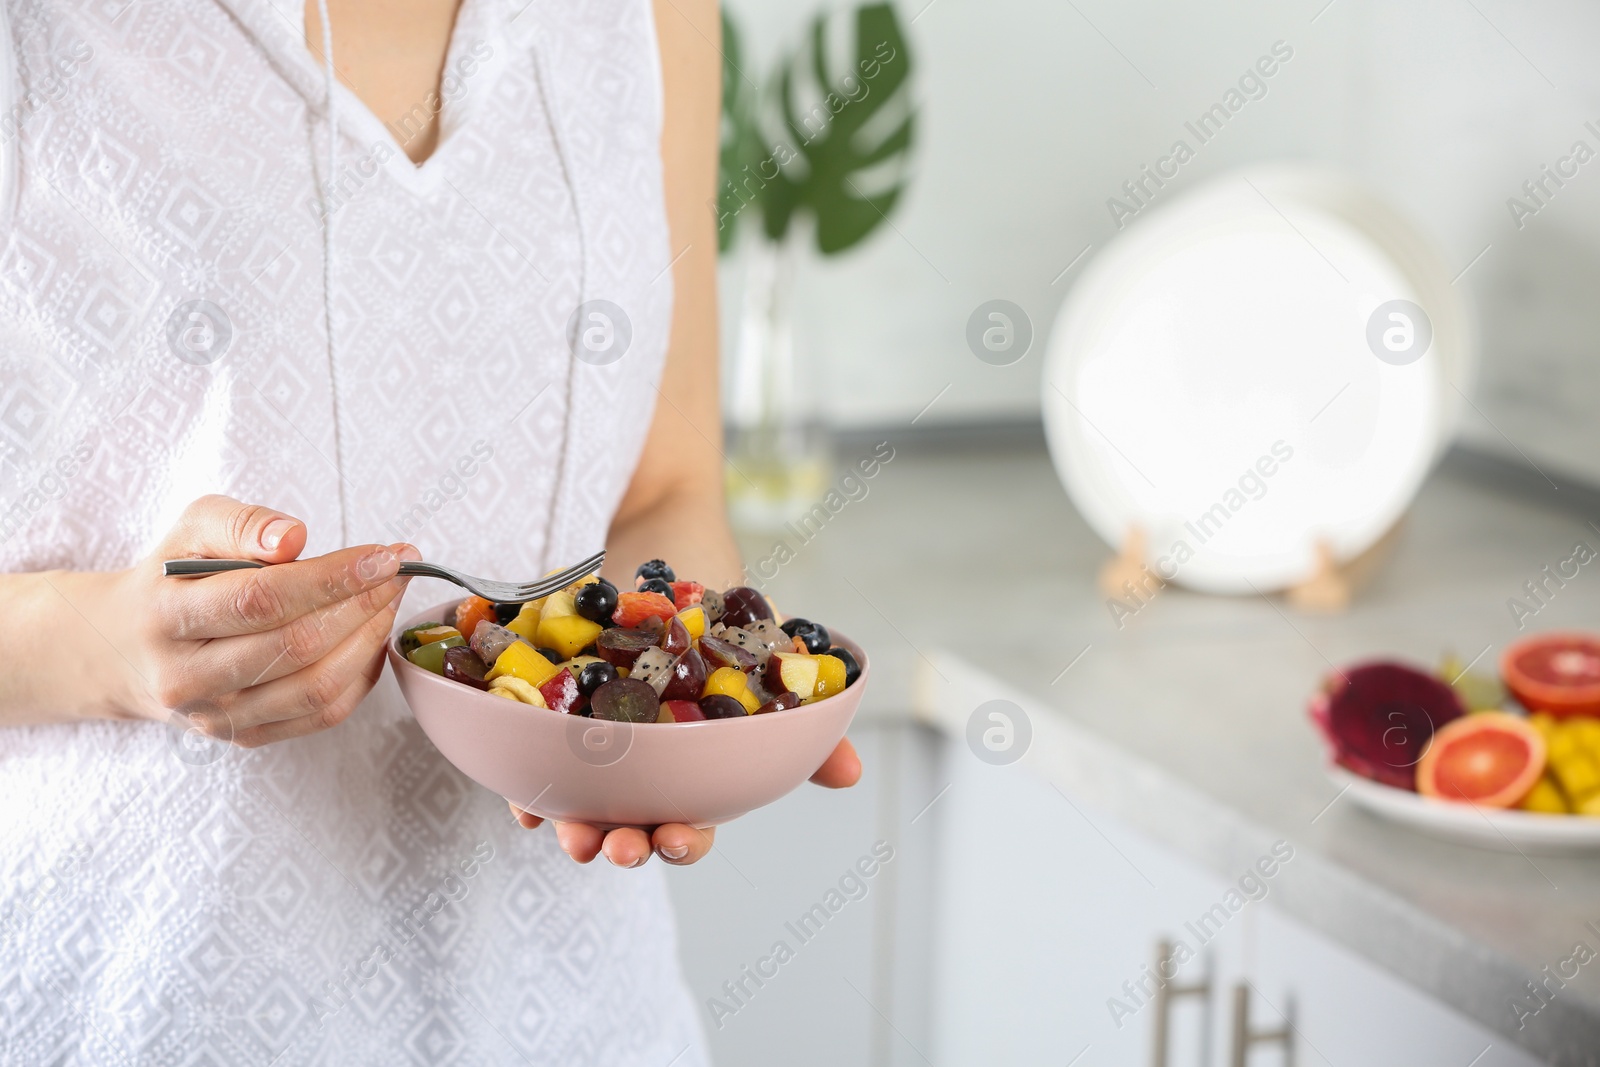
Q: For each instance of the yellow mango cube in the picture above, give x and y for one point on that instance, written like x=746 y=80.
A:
x=730 y=681
x=435 y=633
x=1586 y=733
x=1578 y=775
x=693 y=618
x=567 y=634
x=558 y=604
x=830 y=676
x=526 y=624
x=1545 y=797
x=521 y=661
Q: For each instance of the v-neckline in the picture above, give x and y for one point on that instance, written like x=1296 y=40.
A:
x=279 y=27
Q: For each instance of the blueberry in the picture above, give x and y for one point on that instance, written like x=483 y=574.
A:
x=593 y=676
x=504 y=613
x=655 y=568
x=815 y=635
x=657 y=585
x=852 y=669
x=596 y=602
x=607 y=582
x=550 y=654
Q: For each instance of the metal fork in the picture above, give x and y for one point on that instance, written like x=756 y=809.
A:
x=499 y=592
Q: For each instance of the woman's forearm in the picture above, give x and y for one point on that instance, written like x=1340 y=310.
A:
x=689 y=529
x=61 y=664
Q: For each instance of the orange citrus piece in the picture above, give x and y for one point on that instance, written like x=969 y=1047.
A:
x=1490 y=759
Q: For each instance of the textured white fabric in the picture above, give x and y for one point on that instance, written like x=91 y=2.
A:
x=167 y=905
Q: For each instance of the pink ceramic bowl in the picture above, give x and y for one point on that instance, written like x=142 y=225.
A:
x=576 y=769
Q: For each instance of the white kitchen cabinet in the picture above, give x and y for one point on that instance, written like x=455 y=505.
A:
x=1011 y=915
x=857 y=990
x=1046 y=907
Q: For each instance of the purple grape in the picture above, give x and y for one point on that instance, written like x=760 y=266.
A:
x=721 y=706
x=461 y=664
x=675 y=640
x=621 y=647
x=687 y=679
x=625 y=700
x=781 y=702
x=742 y=605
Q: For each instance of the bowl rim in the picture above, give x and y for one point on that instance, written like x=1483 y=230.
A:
x=399 y=662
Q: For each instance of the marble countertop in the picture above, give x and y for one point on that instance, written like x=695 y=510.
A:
x=1188 y=721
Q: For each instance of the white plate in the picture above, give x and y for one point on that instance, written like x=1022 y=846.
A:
x=1210 y=379
x=1502 y=831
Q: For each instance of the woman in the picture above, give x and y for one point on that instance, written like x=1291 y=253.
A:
x=277 y=281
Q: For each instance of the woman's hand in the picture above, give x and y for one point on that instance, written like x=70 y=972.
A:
x=250 y=656
x=674 y=842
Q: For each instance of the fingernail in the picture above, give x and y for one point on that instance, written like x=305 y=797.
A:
x=409 y=553
x=379 y=563
x=675 y=853
x=273 y=533
x=640 y=862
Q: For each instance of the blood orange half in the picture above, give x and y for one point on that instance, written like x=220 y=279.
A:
x=1555 y=672
x=1490 y=759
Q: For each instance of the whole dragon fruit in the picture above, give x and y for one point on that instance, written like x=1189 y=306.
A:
x=1379 y=717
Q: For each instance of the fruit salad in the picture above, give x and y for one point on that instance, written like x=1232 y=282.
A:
x=1529 y=740
x=666 y=651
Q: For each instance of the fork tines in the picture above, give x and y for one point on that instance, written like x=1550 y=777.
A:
x=561 y=579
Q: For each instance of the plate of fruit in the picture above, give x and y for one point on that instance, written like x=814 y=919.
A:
x=1507 y=763
x=668 y=702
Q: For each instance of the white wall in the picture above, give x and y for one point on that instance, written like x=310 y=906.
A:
x=1031 y=119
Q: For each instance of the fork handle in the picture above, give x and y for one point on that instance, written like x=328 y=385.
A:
x=188 y=568
x=184 y=568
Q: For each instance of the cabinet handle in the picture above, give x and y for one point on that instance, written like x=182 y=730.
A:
x=1244 y=1039
x=1165 y=994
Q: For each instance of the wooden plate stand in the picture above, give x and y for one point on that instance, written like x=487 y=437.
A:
x=1330 y=588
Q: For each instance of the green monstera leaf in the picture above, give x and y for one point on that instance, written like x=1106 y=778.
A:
x=741 y=150
x=832 y=139
x=844 y=142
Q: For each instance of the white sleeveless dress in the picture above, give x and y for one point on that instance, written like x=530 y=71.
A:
x=347 y=898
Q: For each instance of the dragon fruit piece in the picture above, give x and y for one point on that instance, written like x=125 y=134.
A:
x=489 y=639
x=1379 y=717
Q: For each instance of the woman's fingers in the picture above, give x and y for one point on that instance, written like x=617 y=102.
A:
x=524 y=819
x=219 y=527
x=234 y=663
x=627 y=847
x=842 y=768
x=316 y=693
x=579 y=840
x=335 y=713
x=267 y=599
x=682 y=845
